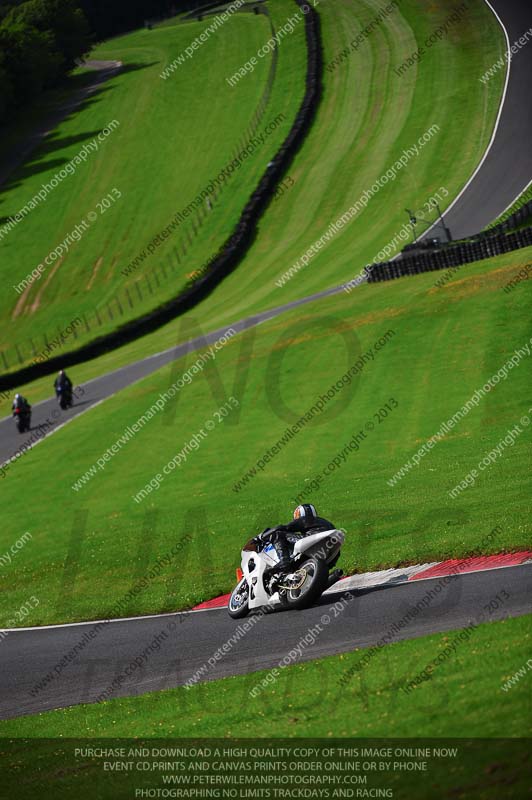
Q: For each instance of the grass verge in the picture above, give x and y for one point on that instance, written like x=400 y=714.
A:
x=464 y=699
x=439 y=345
x=368 y=117
x=164 y=151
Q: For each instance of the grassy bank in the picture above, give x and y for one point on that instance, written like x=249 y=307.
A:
x=432 y=349
x=368 y=118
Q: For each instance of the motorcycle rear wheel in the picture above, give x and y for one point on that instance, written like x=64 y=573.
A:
x=23 y=425
x=238 y=605
x=312 y=587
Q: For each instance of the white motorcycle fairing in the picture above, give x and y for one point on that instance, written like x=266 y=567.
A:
x=308 y=544
x=325 y=545
x=254 y=565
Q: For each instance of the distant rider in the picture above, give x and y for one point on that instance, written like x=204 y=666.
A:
x=305 y=521
x=63 y=383
x=21 y=403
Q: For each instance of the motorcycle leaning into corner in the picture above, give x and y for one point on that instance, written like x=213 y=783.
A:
x=260 y=584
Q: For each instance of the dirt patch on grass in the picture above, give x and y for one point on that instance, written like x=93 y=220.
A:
x=489 y=281
x=37 y=302
x=19 y=308
x=95 y=270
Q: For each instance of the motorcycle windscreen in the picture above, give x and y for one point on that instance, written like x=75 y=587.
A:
x=270 y=554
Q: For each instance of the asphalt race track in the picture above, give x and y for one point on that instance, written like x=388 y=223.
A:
x=192 y=638
x=507 y=170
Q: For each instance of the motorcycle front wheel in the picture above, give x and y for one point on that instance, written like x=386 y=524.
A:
x=308 y=583
x=238 y=605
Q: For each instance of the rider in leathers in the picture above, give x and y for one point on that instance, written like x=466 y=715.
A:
x=63 y=383
x=305 y=521
x=22 y=403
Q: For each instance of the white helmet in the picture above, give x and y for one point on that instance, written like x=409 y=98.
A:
x=305 y=511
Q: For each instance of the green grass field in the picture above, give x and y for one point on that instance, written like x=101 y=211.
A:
x=367 y=118
x=443 y=348
x=165 y=151
x=463 y=699
x=524 y=198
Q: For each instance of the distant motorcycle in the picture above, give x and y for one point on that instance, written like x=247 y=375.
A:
x=64 y=397
x=22 y=419
x=259 y=584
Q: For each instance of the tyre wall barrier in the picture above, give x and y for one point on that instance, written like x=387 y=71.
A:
x=451 y=255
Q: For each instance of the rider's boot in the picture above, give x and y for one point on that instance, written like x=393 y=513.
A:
x=283 y=551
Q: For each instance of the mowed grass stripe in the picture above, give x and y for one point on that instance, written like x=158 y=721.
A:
x=175 y=136
x=442 y=350
x=332 y=170
x=328 y=175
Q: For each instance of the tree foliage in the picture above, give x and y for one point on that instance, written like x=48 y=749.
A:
x=40 y=41
x=109 y=17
